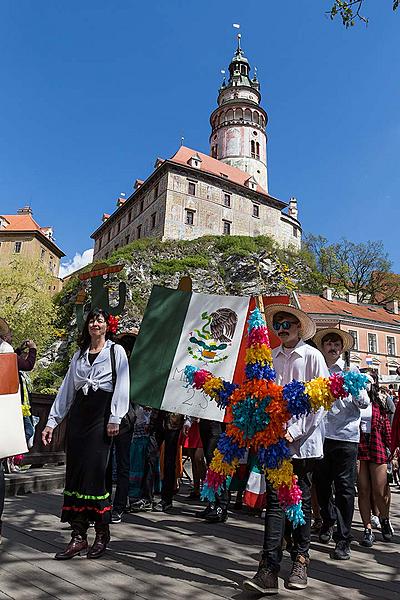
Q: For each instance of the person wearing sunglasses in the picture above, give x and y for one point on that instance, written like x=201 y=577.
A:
x=293 y=359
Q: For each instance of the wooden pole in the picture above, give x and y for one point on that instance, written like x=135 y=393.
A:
x=260 y=305
x=185 y=284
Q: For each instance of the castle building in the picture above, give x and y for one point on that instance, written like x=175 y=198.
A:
x=22 y=236
x=225 y=193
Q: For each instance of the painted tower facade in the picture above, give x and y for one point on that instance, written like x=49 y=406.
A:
x=238 y=135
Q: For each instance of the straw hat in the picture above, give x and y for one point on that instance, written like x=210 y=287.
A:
x=308 y=326
x=4 y=328
x=347 y=339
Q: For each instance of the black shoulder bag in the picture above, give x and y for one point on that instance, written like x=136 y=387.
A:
x=128 y=421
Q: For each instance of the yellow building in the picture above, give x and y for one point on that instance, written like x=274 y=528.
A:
x=20 y=235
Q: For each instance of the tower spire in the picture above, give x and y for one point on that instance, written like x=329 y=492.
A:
x=238 y=123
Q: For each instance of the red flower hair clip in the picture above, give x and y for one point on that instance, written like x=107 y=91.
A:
x=112 y=324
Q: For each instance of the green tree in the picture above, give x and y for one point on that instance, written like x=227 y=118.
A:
x=351 y=11
x=26 y=303
x=346 y=266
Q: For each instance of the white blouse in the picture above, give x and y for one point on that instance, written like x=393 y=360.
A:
x=302 y=363
x=82 y=375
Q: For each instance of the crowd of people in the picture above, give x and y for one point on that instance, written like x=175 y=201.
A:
x=350 y=450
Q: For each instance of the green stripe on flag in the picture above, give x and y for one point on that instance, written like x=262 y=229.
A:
x=155 y=348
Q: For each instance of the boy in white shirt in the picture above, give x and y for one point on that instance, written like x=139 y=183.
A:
x=293 y=359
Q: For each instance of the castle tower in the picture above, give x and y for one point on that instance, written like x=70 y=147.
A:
x=238 y=135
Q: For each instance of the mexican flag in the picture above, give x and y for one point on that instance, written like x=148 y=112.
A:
x=184 y=328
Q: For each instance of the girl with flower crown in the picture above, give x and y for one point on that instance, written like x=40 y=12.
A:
x=95 y=395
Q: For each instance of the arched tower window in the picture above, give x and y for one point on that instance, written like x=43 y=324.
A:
x=253 y=149
x=229 y=115
x=257 y=150
x=247 y=114
x=238 y=114
x=256 y=117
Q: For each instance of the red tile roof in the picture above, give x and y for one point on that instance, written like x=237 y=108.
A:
x=21 y=223
x=312 y=304
x=214 y=166
x=26 y=222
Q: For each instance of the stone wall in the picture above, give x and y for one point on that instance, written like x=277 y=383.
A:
x=210 y=212
x=143 y=217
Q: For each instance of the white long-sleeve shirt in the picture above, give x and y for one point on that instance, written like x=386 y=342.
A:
x=82 y=375
x=342 y=422
x=302 y=363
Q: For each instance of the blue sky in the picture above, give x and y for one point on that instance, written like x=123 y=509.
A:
x=94 y=91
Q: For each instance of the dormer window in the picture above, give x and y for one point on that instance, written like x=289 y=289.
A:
x=251 y=183
x=195 y=161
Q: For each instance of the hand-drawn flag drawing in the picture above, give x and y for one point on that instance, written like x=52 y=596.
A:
x=181 y=328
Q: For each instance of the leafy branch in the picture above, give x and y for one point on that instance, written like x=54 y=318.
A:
x=351 y=11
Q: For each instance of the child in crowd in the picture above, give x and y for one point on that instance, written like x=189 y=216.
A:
x=144 y=475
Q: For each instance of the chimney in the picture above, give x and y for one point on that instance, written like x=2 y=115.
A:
x=327 y=293
x=352 y=298
x=25 y=210
x=392 y=306
x=105 y=217
x=293 y=210
x=138 y=183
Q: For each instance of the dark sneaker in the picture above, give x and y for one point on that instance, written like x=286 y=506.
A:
x=202 y=514
x=298 y=577
x=368 y=538
x=140 y=506
x=386 y=529
x=218 y=515
x=325 y=533
x=265 y=581
x=316 y=526
x=116 y=516
x=162 y=506
x=342 y=550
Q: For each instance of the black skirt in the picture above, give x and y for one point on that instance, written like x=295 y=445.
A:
x=88 y=453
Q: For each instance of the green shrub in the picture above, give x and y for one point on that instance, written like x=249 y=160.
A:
x=180 y=265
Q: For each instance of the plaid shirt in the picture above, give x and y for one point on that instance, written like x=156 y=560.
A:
x=372 y=447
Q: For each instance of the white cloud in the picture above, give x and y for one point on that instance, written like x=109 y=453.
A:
x=79 y=261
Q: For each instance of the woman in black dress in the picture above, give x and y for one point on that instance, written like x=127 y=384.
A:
x=95 y=395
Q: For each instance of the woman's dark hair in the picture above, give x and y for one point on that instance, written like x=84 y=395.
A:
x=84 y=338
x=374 y=392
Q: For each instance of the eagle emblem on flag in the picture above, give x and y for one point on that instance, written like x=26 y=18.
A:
x=209 y=342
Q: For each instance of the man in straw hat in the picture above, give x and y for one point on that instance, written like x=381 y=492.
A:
x=342 y=434
x=293 y=359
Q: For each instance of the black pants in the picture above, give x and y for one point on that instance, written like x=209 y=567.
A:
x=80 y=525
x=338 y=467
x=209 y=434
x=170 y=437
x=122 y=444
x=2 y=490
x=150 y=469
x=275 y=518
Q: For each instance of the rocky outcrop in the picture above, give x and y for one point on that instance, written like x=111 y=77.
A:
x=224 y=266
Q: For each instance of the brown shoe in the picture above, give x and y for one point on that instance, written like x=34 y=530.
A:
x=100 y=544
x=298 y=577
x=265 y=581
x=77 y=545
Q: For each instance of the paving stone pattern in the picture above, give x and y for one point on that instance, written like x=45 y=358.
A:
x=157 y=556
